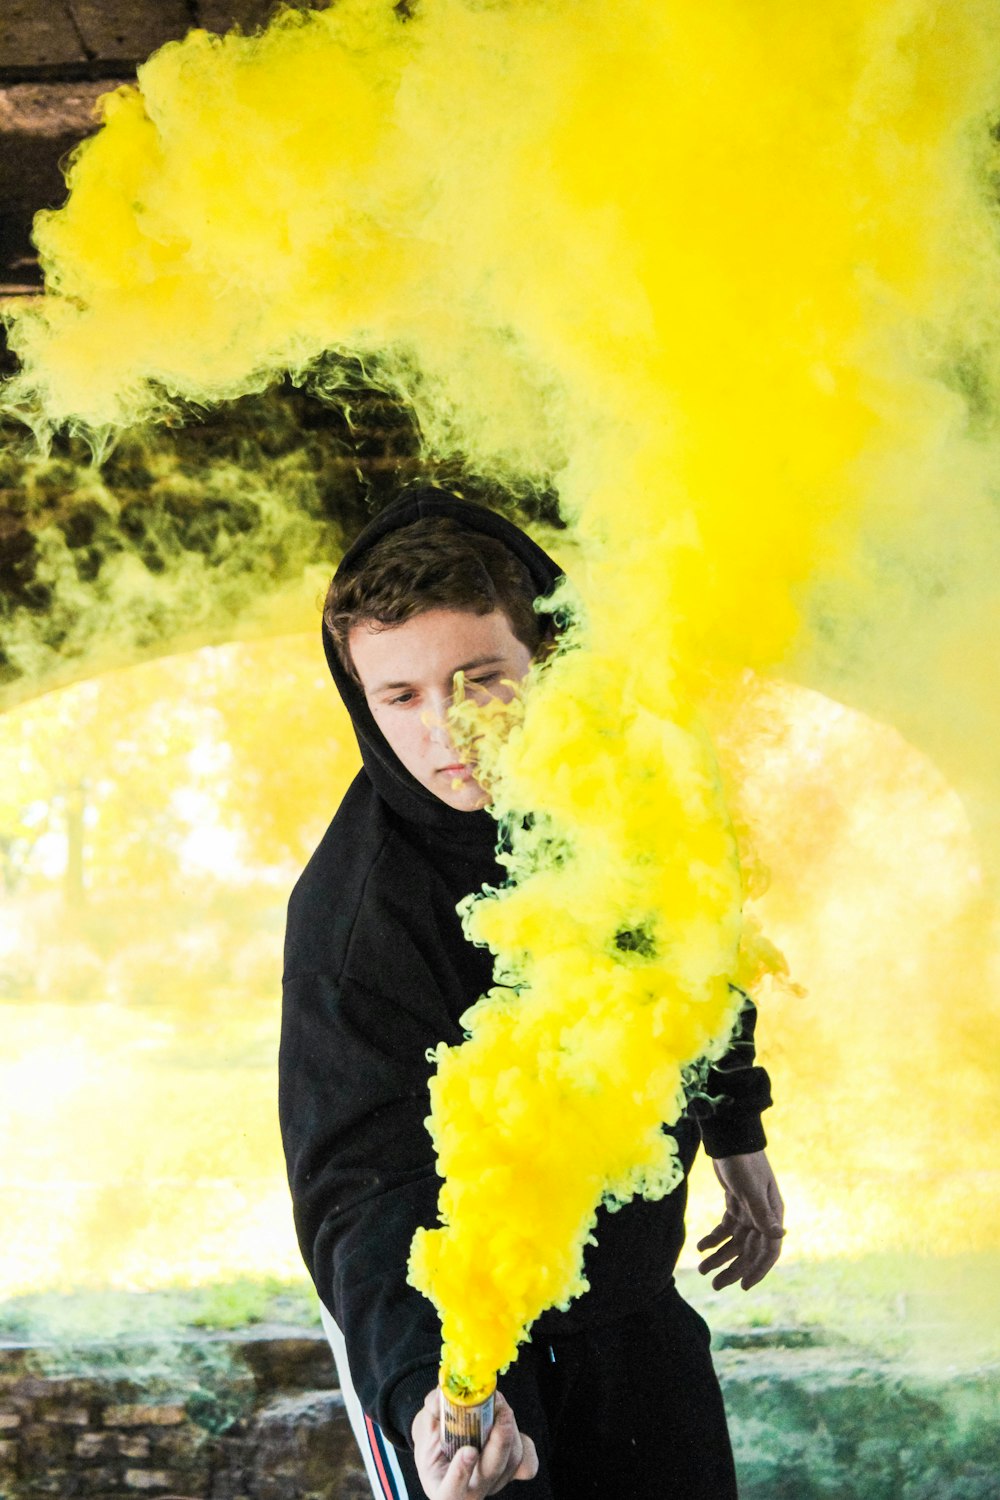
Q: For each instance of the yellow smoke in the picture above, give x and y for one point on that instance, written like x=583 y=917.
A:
x=161 y=992
x=727 y=276
x=138 y=1014
x=617 y=940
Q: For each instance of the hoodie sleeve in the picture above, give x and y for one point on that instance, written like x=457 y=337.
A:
x=734 y=1094
x=353 y=1096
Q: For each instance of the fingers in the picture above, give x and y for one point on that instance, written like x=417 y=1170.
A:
x=730 y=1256
x=502 y=1451
x=740 y=1257
x=747 y=1257
x=508 y=1454
x=767 y=1217
x=767 y=1252
x=432 y=1466
x=714 y=1237
x=733 y=1245
x=727 y=1226
x=528 y=1467
x=441 y=1479
x=746 y=1243
x=727 y=1278
x=458 y=1481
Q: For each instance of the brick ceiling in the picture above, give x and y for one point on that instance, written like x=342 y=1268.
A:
x=67 y=39
x=56 y=57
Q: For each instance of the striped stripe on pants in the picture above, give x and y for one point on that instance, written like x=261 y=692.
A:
x=381 y=1464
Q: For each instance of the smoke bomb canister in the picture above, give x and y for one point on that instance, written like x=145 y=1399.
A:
x=465 y=1424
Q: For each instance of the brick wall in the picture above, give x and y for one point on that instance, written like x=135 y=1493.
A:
x=254 y=1416
x=257 y=1416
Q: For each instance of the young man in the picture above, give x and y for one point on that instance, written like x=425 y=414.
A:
x=616 y=1396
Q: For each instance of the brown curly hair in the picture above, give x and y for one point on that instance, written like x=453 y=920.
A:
x=434 y=563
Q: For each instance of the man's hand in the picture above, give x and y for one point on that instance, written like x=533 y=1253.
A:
x=508 y=1454
x=750 y=1231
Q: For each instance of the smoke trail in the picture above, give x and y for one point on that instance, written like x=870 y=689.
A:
x=726 y=277
x=616 y=943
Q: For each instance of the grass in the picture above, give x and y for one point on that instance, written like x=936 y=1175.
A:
x=943 y=1311
x=940 y=1311
x=86 y=1315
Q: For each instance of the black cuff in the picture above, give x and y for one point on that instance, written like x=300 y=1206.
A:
x=408 y=1396
x=732 y=1135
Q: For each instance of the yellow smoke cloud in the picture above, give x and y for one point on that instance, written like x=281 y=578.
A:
x=884 y=1073
x=618 y=939
x=728 y=278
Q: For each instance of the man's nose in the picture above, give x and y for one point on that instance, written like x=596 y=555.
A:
x=436 y=720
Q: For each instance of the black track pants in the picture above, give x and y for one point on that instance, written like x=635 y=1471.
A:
x=630 y=1410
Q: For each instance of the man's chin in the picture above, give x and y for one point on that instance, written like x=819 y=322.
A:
x=464 y=795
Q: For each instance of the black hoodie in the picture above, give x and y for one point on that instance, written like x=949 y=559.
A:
x=377 y=972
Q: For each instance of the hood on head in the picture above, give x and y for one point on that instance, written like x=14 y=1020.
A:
x=389 y=777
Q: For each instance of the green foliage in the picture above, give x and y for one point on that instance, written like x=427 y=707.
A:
x=877 y=1450
x=824 y=1421
x=933 y=1311
x=80 y=1317
x=239 y=1304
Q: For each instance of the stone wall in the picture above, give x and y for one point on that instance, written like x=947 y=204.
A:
x=256 y=1415
x=253 y=1416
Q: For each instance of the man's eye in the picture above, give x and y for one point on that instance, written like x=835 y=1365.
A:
x=482 y=681
x=403 y=698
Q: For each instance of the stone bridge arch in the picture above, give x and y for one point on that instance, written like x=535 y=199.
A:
x=224 y=528
x=227 y=527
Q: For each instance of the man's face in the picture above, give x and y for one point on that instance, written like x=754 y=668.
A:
x=408 y=676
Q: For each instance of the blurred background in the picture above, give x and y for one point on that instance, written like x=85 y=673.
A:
x=171 y=750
